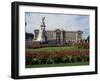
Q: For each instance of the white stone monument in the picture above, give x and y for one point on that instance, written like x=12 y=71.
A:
x=42 y=33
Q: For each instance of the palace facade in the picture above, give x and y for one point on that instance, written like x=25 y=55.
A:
x=60 y=36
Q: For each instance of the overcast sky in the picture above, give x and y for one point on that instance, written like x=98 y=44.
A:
x=68 y=22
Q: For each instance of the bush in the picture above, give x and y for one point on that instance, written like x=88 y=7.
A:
x=59 y=60
x=28 y=60
x=74 y=59
x=86 y=57
x=50 y=60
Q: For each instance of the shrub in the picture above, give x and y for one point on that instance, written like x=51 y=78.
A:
x=50 y=60
x=58 y=60
x=28 y=60
x=74 y=58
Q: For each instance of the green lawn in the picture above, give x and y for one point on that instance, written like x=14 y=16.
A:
x=56 y=65
x=61 y=48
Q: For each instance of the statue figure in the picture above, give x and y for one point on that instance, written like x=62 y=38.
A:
x=43 y=23
x=43 y=19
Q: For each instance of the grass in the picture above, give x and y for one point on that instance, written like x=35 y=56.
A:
x=56 y=65
x=61 y=48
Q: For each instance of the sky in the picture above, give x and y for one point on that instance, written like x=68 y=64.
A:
x=68 y=22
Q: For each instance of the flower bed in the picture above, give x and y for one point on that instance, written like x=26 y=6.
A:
x=53 y=57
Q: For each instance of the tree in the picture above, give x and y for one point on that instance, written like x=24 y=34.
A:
x=88 y=38
x=29 y=36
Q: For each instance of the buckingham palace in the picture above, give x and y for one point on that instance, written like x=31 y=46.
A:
x=60 y=36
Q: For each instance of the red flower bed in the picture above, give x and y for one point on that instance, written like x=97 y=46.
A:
x=53 y=54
